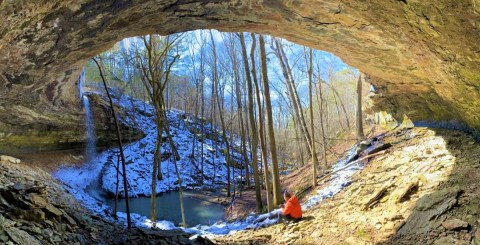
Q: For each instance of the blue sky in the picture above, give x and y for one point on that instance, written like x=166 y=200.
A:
x=295 y=53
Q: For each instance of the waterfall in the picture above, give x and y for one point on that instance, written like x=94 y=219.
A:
x=81 y=80
x=91 y=138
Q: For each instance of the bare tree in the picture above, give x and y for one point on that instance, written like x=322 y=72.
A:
x=252 y=128
x=261 y=128
x=292 y=91
x=359 y=124
x=119 y=140
x=156 y=66
x=277 y=196
x=309 y=61
x=239 y=107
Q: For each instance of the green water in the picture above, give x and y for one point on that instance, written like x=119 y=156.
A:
x=168 y=208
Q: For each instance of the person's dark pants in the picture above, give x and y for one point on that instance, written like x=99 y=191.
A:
x=289 y=218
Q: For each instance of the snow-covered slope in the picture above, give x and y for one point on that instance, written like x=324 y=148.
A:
x=139 y=155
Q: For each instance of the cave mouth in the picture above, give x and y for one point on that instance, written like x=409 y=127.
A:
x=208 y=68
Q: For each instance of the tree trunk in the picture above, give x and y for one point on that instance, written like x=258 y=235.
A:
x=312 y=128
x=238 y=96
x=293 y=94
x=252 y=128
x=360 y=134
x=119 y=141
x=261 y=129
x=175 y=159
x=322 y=128
x=277 y=196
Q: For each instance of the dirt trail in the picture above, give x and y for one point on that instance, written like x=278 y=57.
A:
x=424 y=190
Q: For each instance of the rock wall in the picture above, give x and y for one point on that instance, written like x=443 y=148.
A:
x=423 y=56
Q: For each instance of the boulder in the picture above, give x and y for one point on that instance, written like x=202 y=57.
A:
x=429 y=206
x=21 y=237
x=455 y=224
x=9 y=159
x=39 y=201
x=449 y=240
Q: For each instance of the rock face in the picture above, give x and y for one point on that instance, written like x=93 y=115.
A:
x=34 y=209
x=422 y=56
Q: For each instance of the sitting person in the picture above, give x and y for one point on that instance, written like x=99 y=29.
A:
x=292 y=211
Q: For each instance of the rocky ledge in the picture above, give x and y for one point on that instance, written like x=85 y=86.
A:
x=35 y=209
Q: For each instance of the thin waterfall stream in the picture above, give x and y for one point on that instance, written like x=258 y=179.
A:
x=90 y=127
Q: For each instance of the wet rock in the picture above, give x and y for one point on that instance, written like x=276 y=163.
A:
x=455 y=224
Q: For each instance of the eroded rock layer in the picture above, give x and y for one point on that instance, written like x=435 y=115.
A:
x=423 y=56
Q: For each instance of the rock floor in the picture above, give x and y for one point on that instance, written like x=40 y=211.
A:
x=423 y=190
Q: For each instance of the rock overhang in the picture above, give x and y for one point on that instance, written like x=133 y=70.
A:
x=422 y=56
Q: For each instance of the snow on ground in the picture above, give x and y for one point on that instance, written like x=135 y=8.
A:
x=338 y=181
x=83 y=181
x=139 y=155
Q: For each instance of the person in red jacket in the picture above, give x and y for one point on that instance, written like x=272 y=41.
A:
x=292 y=210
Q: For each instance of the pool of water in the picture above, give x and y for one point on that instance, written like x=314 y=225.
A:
x=197 y=211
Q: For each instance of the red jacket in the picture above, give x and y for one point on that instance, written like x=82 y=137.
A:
x=293 y=208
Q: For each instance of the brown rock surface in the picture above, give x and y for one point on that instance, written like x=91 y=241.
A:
x=423 y=56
